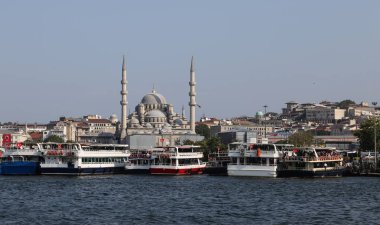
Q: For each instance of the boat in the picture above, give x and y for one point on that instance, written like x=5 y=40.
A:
x=254 y=159
x=311 y=162
x=140 y=160
x=178 y=160
x=78 y=159
x=217 y=163
x=17 y=159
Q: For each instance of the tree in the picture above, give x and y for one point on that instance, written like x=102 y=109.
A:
x=54 y=138
x=366 y=134
x=302 y=138
x=346 y=103
x=210 y=145
x=188 y=142
x=203 y=129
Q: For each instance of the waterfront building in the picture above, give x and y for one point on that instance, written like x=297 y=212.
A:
x=86 y=129
x=258 y=129
x=324 y=114
x=242 y=135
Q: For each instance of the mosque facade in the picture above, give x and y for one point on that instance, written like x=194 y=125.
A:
x=154 y=121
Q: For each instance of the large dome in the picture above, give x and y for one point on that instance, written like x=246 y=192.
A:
x=153 y=98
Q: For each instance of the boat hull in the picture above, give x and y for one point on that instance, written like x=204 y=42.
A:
x=310 y=173
x=137 y=169
x=81 y=171
x=176 y=171
x=252 y=171
x=216 y=170
x=20 y=168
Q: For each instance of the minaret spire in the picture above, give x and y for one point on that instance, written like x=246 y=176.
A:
x=154 y=89
x=192 y=95
x=123 y=101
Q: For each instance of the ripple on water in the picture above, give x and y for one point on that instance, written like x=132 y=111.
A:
x=125 y=199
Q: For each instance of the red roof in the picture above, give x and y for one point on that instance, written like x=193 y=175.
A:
x=36 y=136
x=98 y=121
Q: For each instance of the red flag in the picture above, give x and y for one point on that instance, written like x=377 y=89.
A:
x=7 y=139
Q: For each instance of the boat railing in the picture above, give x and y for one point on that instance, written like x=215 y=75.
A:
x=185 y=154
x=21 y=151
x=312 y=158
x=253 y=164
x=140 y=156
x=332 y=157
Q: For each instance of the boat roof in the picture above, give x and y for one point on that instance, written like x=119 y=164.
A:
x=181 y=146
x=105 y=145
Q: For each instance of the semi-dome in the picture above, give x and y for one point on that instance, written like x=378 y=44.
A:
x=153 y=98
x=178 y=122
x=134 y=121
x=156 y=113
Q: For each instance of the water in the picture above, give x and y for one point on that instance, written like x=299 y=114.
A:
x=127 y=199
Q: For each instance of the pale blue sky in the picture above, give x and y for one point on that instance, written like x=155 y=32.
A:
x=64 y=57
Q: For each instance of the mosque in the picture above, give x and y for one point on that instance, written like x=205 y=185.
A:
x=154 y=122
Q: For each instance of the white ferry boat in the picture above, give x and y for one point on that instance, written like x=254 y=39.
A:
x=311 y=162
x=255 y=160
x=178 y=160
x=77 y=159
x=139 y=161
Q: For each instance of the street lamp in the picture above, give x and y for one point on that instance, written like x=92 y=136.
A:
x=265 y=124
x=374 y=127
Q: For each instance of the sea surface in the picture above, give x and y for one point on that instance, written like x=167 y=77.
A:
x=202 y=199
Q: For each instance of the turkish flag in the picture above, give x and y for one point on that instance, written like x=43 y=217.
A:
x=7 y=139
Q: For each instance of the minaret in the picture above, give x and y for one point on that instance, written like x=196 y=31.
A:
x=192 y=94
x=123 y=101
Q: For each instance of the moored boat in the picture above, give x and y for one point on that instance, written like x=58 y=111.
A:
x=17 y=159
x=253 y=159
x=217 y=163
x=77 y=159
x=178 y=160
x=139 y=161
x=311 y=162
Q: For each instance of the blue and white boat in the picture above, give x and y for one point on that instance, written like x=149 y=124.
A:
x=77 y=159
x=17 y=160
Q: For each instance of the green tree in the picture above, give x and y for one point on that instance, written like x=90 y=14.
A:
x=282 y=142
x=188 y=142
x=210 y=145
x=346 y=103
x=366 y=134
x=54 y=138
x=301 y=138
x=203 y=130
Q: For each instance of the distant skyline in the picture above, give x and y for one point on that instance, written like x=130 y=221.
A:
x=63 y=58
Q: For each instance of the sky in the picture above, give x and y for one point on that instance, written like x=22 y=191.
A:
x=63 y=58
